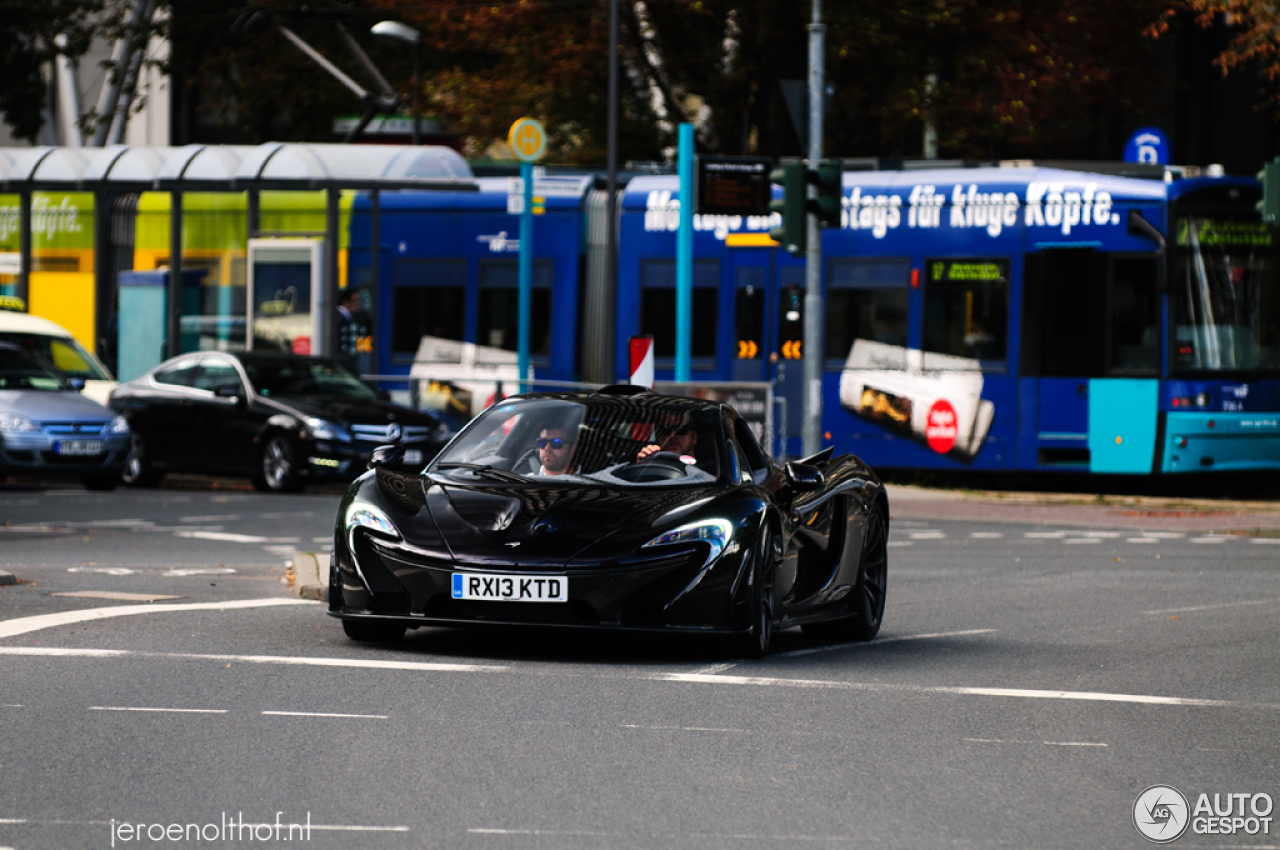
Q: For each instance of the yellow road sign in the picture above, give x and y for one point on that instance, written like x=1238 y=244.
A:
x=528 y=139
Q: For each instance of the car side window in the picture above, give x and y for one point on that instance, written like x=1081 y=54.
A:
x=215 y=374
x=756 y=460
x=742 y=470
x=180 y=374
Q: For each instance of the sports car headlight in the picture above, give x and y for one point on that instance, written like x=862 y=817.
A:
x=716 y=532
x=16 y=422
x=323 y=429
x=365 y=515
x=119 y=425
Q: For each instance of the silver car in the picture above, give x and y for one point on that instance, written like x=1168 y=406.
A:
x=48 y=429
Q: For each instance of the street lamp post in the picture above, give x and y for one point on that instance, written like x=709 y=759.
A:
x=396 y=31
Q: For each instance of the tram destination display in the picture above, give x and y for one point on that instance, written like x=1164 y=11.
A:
x=732 y=185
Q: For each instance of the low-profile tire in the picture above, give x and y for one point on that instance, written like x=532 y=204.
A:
x=372 y=631
x=756 y=643
x=278 y=466
x=866 y=600
x=139 y=471
x=103 y=481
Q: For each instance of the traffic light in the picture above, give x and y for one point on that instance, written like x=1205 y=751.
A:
x=1269 y=177
x=827 y=177
x=794 y=229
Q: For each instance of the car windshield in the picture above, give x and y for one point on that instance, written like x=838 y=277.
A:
x=1226 y=291
x=64 y=352
x=300 y=376
x=21 y=371
x=598 y=440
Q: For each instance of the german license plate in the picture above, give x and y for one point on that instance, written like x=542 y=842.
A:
x=413 y=457
x=78 y=448
x=503 y=588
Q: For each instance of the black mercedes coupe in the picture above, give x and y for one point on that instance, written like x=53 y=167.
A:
x=615 y=509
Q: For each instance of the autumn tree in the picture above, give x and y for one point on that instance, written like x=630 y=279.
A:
x=1254 y=41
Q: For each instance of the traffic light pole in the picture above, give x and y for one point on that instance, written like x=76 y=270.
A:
x=813 y=301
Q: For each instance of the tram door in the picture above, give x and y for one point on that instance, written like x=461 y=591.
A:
x=768 y=333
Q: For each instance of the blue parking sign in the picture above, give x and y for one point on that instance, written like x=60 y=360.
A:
x=1148 y=146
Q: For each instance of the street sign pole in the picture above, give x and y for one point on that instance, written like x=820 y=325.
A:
x=811 y=434
x=528 y=141
x=684 y=258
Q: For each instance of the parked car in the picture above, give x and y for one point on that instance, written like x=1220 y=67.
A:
x=47 y=428
x=282 y=419
x=55 y=344
x=619 y=509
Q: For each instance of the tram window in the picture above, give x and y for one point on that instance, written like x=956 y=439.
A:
x=658 y=307
x=1063 y=315
x=866 y=300
x=429 y=299
x=748 y=312
x=498 y=319
x=966 y=304
x=1135 y=329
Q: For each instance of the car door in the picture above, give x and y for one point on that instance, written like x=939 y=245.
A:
x=155 y=410
x=218 y=418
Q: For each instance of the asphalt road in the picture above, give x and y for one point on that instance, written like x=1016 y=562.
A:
x=1030 y=681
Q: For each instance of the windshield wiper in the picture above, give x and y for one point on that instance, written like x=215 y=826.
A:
x=487 y=471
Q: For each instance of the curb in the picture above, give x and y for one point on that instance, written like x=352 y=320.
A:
x=310 y=576
x=7 y=578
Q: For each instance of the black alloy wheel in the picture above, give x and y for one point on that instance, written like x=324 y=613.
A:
x=866 y=600
x=756 y=643
x=138 y=469
x=278 y=466
x=372 y=631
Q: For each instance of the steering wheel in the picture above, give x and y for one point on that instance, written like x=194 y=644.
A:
x=659 y=466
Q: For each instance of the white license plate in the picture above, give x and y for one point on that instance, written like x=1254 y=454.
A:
x=413 y=457
x=79 y=447
x=501 y=588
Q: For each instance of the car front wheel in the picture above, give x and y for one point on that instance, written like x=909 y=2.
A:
x=279 y=466
x=756 y=643
x=139 y=471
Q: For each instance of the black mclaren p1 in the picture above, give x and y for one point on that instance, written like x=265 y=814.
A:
x=614 y=509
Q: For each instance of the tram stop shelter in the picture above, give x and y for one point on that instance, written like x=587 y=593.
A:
x=73 y=219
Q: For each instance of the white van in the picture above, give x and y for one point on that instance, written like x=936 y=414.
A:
x=56 y=344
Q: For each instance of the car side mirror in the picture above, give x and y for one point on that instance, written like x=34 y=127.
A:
x=76 y=384
x=386 y=457
x=804 y=478
x=231 y=391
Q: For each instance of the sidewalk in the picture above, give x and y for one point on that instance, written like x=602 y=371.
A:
x=1256 y=518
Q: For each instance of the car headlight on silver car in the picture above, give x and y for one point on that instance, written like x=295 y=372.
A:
x=119 y=425
x=323 y=429
x=716 y=532
x=15 y=422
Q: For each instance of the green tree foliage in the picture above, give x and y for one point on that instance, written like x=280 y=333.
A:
x=27 y=34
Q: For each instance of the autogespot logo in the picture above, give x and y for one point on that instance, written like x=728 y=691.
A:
x=1160 y=813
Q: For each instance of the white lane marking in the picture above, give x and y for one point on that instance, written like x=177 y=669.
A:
x=326 y=714
x=110 y=571
x=228 y=537
x=1141 y=540
x=1208 y=540
x=676 y=728
x=1045 y=535
x=1212 y=607
x=23 y=625
x=200 y=571
x=986 y=535
x=928 y=535
x=893 y=543
x=892 y=639
x=214 y=518
x=325 y=539
x=691 y=678
x=1166 y=535
x=169 y=710
x=1049 y=743
x=1104 y=535
x=1082 y=540
x=65 y=653
x=717 y=668
x=492 y=831
x=1265 y=540
x=12 y=705
x=115 y=594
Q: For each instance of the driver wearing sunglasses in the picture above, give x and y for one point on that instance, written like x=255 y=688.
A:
x=555 y=450
x=675 y=434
